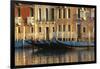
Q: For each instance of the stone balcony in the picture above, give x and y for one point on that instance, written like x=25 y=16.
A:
x=30 y=20
x=18 y=20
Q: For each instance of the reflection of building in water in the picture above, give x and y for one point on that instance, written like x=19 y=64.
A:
x=25 y=57
x=45 y=22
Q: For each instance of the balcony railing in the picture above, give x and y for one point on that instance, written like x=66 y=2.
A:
x=18 y=20
x=30 y=20
x=45 y=21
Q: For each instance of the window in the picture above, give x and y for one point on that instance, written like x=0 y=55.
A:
x=68 y=27
x=40 y=14
x=93 y=30
x=64 y=27
x=69 y=39
x=32 y=30
x=18 y=11
x=53 y=29
x=59 y=28
x=92 y=13
x=78 y=12
x=64 y=39
x=84 y=29
x=31 y=11
x=59 y=13
x=64 y=13
x=72 y=39
x=19 y=31
x=52 y=13
x=39 y=29
x=46 y=14
x=68 y=12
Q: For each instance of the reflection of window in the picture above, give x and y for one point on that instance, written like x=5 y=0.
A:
x=84 y=29
x=18 y=11
x=31 y=11
x=19 y=31
x=46 y=14
x=39 y=29
x=68 y=27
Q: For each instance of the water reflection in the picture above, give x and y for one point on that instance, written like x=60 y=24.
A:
x=32 y=57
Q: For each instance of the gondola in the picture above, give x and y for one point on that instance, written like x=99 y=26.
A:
x=76 y=44
x=47 y=44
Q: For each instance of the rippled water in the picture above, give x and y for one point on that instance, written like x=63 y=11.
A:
x=32 y=57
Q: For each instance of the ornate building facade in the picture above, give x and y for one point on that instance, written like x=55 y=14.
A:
x=46 y=22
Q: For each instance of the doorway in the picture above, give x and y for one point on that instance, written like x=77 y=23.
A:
x=47 y=33
x=79 y=31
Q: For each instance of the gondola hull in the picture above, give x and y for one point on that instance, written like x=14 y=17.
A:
x=54 y=44
x=60 y=44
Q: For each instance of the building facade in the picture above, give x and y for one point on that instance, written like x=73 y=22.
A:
x=46 y=22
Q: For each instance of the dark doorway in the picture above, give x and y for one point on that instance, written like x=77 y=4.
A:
x=79 y=31
x=47 y=33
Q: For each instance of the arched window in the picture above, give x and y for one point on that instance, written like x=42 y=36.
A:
x=31 y=11
x=18 y=11
x=84 y=29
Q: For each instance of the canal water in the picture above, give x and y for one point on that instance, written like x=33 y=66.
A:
x=35 y=56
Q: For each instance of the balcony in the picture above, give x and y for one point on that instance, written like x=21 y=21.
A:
x=18 y=20
x=30 y=20
x=45 y=22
